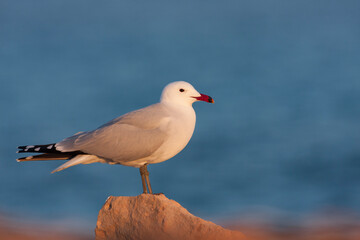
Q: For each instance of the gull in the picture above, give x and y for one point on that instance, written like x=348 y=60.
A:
x=146 y=136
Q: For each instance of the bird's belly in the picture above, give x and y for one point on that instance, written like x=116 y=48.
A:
x=170 y=148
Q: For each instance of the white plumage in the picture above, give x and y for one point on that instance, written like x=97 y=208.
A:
x=149 y=135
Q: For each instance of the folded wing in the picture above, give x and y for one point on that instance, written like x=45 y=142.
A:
x=130 y=137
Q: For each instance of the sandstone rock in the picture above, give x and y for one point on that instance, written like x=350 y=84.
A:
x=148 y=217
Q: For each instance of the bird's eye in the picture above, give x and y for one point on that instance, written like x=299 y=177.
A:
x=181 y=90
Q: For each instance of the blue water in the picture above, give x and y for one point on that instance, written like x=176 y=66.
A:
x=283 y=134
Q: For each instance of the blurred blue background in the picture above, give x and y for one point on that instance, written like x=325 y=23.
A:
x=282 y=136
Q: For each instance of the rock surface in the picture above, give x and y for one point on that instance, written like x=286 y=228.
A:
x=148 y=217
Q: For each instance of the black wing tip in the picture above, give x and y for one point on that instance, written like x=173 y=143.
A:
x=47 y=148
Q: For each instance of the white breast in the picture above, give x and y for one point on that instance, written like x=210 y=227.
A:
x=180 y=128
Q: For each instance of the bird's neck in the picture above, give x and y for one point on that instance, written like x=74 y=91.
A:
x=178 y=106
x=176 y=102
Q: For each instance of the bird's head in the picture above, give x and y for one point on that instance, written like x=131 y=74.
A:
x=183 y=93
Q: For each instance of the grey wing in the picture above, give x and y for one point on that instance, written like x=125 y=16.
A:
x=145 y=118
x=133 y=136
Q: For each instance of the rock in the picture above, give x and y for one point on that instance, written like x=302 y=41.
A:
x=148 y=217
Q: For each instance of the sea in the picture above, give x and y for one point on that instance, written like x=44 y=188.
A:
x=281 y=139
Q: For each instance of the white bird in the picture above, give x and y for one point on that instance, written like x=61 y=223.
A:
x=149 y=135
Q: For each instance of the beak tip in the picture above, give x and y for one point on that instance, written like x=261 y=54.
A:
x=204 y=98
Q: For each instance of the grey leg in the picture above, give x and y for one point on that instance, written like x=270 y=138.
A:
x=148 y=180
x=142 y=174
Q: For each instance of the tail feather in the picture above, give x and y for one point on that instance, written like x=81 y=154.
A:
x=46 y=156
x=49 y=152
x=79 y=159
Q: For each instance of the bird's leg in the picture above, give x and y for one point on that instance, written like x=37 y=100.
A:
x=147 y=179
x=142 y=174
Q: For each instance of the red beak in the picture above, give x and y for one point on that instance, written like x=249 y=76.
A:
x=204 y=98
